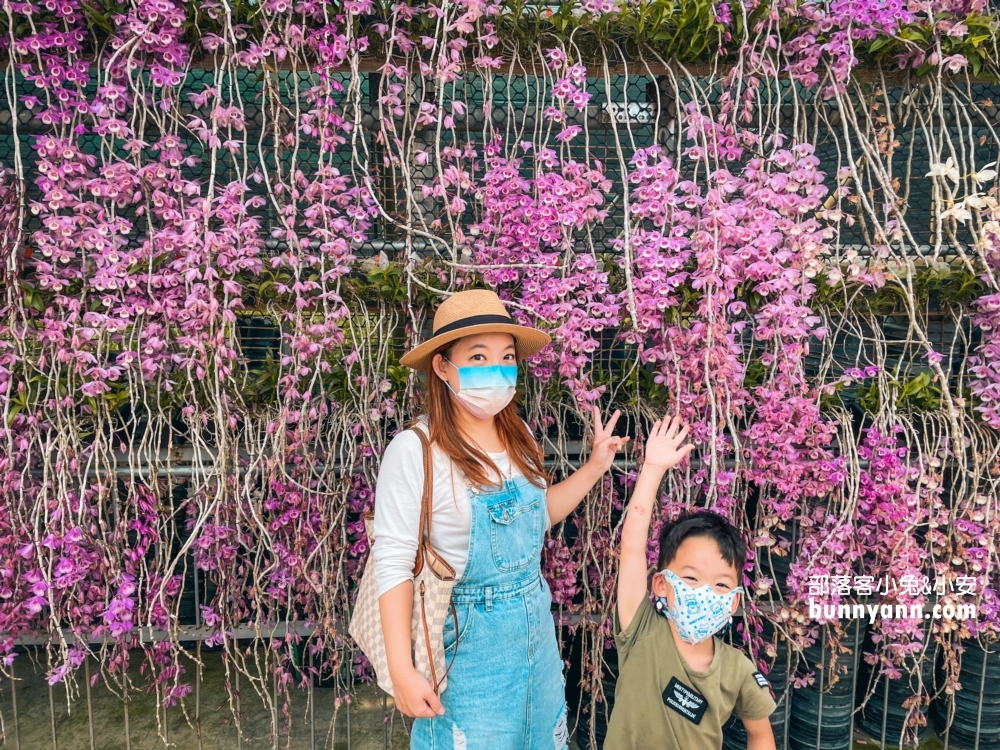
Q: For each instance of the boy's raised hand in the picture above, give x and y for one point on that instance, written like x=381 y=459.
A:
x=664 y=449
x=665 y=445
x=606 y=443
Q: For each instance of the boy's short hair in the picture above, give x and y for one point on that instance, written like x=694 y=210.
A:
x=703 y=523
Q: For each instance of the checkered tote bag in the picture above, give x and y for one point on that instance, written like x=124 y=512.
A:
x=433 y=579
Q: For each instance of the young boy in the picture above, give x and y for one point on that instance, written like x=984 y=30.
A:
x=677 y=684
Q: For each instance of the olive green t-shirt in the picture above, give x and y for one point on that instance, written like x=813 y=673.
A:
x=663 y=704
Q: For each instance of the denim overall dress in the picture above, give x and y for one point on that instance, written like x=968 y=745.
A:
x=505 y=687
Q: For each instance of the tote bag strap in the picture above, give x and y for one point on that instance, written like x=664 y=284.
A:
x=426 y=502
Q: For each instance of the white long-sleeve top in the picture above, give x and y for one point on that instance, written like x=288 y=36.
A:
x=397 y=509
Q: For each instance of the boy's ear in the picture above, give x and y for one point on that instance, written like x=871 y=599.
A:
x=736 y=602
x=660 y=585
x=656 y=584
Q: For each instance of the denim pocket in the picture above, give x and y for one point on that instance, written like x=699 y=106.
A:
x=454 y=632
x=515 y=536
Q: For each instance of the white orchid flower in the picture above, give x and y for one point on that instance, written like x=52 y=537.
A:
x=958 y=212
x=986 y=174
x=948 y=169
x=980 y=201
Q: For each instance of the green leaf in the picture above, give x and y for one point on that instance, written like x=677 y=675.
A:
x=882 y=41
x=915 y=385
x=14 y=410
x=976 y=63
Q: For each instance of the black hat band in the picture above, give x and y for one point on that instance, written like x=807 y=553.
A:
x=475 y=320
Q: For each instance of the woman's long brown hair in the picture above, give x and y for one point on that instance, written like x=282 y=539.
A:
x=522 y=448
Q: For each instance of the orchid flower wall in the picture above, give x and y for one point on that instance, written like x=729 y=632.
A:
x=778 y=220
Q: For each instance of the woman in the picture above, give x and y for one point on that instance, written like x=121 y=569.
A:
x=490 y=512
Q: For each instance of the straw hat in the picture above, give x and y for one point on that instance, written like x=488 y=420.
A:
x=467 y=314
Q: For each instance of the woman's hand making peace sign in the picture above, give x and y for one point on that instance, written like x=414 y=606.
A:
x=562 y=498
x=606 y=444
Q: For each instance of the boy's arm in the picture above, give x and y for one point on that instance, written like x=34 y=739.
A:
x=664 y=450
x=632 y=569
x=760 y=736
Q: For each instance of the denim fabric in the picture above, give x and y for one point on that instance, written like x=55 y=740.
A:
x=505 y=688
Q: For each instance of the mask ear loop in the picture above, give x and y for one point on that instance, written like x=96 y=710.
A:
x=729 y=624
x=446 y=383
x=660 y=604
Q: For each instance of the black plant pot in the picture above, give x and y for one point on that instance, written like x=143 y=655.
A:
x=734 y=736
x=822 y=713
x=337 y=678
x=131 y=427
x=883 y=716
x=778 y=677
x=775 y=566
x=972 y=722
x=259 y=338
x=187 y=609
x=602 y=710
x=820 y=721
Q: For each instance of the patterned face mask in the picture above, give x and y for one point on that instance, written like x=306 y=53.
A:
x=699 y=613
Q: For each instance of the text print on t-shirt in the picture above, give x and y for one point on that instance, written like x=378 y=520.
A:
x=686 y=701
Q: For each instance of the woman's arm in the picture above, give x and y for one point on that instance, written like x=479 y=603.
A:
x=413 y=693
x=562 y=498
x=398 y=491
x=397 y=520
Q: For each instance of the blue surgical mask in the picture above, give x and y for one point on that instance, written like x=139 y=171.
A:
x=699 y=613
x=485 y=391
